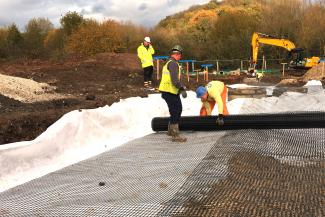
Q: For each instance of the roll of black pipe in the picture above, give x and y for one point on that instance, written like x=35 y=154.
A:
x=248 y=121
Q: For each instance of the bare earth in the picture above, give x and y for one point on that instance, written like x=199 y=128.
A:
x=36 y=93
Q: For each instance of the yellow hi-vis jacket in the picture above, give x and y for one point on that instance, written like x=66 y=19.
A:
x=215 y=89
x=166 y=84
x=145 y=55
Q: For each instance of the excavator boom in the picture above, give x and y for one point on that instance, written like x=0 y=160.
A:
x=259 y=38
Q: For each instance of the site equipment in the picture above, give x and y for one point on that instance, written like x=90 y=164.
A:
x=298 y=60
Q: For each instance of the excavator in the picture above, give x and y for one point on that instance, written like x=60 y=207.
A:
x=298 y=61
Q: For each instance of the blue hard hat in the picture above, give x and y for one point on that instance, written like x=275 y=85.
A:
x=200 y=91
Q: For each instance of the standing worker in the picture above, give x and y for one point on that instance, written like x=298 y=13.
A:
x=170 y=88
x=145 y=52
x=214 y=92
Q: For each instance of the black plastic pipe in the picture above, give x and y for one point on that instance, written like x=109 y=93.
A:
x=249 y=121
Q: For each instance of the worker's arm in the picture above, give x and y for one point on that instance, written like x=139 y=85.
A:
x=151 y=50
x=174 y=71
x=217 y=97
x=140 y=53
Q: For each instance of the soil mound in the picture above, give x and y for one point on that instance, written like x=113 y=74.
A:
x=26 y=90
x=315 y=73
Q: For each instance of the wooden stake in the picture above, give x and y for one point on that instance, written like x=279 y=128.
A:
x=207 y=73
x=218 y=66
x=283 y=64
x=197 y=76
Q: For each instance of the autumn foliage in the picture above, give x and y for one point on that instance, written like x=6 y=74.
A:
x=93 y=37
x=210 y=31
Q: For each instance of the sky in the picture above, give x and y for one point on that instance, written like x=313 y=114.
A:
x=79 y=135
x=144 y=12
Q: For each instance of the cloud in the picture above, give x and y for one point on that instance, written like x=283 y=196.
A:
x=98 y=8
x=144 y=12
x=143 y=7
x=173 y=2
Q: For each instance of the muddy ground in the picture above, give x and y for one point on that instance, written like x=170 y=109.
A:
x=88 y=82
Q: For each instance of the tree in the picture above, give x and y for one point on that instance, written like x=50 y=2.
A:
x=3 y=42
x=132 y=36
x=93 y=37
x=36 y=31
x=14 y=41
x=70 y=22
x=231 y=35
x=311 y=33
x=54 y=43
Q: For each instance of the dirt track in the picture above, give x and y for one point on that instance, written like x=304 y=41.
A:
x=87 y=83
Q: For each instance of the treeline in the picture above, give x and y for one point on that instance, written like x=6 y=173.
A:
x=224 y=30
x=211 y=31
x=76 y=35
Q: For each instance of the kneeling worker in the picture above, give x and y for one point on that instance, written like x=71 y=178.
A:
x=214 y=92
x=170 y=88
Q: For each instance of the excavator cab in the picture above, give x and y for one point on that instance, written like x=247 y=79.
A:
x=298 y=59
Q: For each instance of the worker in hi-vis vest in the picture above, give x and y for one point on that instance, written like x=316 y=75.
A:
x=214 y=92
x=145 y=52
x=170 y=88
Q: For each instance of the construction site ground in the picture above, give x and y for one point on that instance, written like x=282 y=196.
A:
x=276 y=172
x=57 y=87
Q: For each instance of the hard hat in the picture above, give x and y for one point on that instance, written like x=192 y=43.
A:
x=200 y=91
x=177 y=48
x=147 y=39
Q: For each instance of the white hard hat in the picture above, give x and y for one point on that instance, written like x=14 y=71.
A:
x=147 y=39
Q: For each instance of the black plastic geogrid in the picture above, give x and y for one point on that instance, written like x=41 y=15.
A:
x=249 y=172
x=248 y=121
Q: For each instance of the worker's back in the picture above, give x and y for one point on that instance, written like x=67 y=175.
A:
x=215 y=87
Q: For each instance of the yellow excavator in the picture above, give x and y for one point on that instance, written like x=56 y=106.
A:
x=299 y=61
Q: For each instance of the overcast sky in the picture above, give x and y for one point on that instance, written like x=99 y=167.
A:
x=144 y=12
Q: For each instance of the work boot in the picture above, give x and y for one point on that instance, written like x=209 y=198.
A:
x=169 y=132
x=175 y=134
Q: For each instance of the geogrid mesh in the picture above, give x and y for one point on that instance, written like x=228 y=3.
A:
x=257 y=173
x=277 y=172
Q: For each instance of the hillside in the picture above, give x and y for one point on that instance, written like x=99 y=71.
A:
x=209 y=11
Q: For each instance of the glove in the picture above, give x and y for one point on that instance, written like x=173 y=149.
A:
x=182 y=91
x=220 y=121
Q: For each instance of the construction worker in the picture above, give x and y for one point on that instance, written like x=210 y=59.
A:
x=145 y=52
x=214 y=92
x=171 y=88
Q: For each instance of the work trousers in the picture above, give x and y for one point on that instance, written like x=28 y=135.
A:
x=174 y=105
x=207 y=111
x=147 y=73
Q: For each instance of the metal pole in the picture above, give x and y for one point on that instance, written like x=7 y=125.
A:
x=193 y=66
x=263 y=63
x=187 y=69
x=157 y=69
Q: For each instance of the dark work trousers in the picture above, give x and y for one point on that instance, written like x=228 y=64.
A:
x=147 y=73
x=174 y=105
